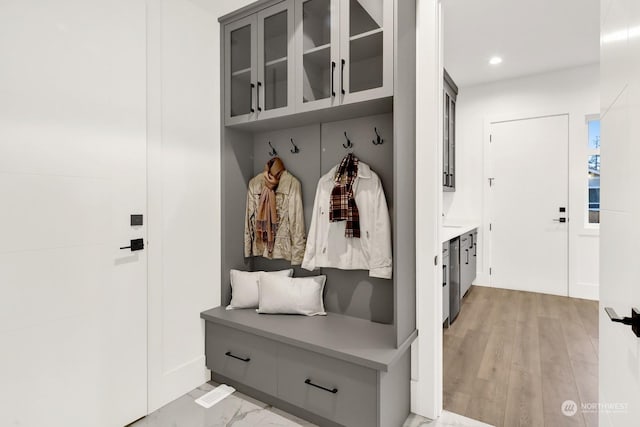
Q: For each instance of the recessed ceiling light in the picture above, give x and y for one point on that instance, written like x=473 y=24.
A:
x=495 y=60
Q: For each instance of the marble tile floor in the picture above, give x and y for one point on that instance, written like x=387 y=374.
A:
x=239 y=410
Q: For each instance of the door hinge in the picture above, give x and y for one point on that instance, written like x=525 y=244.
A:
x=490 y=227
x=490 y=271
x=435 y=260
x=490 y=138
x=491 y=182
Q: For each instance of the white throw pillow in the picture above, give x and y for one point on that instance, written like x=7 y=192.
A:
x=288 y=295
x=244 y=287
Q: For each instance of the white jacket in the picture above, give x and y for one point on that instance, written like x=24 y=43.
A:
x=327 y=245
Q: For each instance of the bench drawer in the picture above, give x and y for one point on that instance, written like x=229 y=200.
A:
x=243 y=357
x=339 y=391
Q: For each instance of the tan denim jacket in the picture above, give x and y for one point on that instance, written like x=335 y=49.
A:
x=290 y=236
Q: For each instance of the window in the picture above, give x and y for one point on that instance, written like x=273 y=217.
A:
x=593 y=164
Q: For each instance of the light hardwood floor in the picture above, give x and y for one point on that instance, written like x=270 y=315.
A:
x=512 y=358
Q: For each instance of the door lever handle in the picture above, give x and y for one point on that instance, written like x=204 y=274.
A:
x=633 y=321
x=562 y=220
x=135 y=245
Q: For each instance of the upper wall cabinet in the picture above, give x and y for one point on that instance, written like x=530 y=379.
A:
x=366 y=49
x=259 y=66
x=317 y=53
x=450 y=94
x=345 y=49
x=305 y=55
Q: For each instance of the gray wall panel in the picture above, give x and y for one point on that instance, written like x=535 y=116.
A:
x=236 y=169
x=354 y=293
x=304 y=165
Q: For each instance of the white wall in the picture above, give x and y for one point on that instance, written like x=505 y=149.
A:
x=184 y=188
x=574 y=91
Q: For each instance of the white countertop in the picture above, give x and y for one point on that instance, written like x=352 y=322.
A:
x=453 y=230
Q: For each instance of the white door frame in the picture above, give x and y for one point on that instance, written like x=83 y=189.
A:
x=483 y=276
x=426 y=351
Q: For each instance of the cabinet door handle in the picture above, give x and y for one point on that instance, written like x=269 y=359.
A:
x=475 y=249
x=444 y=275
x=333 y=75
x=246 y=360
x=251 y=99
x=342 y=77
x=258 y=95
x=467 y=251
x=330 y=390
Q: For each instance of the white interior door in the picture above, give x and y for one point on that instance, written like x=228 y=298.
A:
x=619 y=214
x=528 y=179
x=72 y=169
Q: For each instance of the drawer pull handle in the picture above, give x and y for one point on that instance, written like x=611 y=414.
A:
x=228 y=353
x=308 y=381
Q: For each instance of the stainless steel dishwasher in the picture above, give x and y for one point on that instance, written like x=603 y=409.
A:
x=454 y=279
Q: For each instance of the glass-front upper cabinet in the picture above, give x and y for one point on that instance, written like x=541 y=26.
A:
x=317 y=53
x=450 y=94
x=275 y=91
x=240 y=70
x=259 y=67
x=366 y=49
x=345 y=51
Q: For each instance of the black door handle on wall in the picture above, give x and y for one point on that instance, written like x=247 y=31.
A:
x=135 y=245
x=633 y=321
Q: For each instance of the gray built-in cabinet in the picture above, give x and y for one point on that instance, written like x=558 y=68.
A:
x=468 y=257
x=307 y=72
x=458 y=272
x=305 y=55
x=450 y=95
x=446 y=285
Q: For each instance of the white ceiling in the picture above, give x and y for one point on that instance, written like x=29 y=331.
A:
x=532 y=36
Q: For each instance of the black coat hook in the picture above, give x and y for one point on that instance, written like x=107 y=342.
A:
x=295 y=149
x=378 y=140
x=273 y=151
x=348 y=144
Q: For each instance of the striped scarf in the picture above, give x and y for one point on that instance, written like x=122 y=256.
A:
x=342 y=206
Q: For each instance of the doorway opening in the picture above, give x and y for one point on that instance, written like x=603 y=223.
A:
x=526 y=178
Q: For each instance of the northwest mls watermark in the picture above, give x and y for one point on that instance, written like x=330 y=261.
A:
x=569 y=408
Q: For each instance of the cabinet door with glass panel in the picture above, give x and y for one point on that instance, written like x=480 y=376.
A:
x=366 y=49
x=317 y=53
x=240 y=70
x=275 y=89
x=259 y=66
x=345 y=48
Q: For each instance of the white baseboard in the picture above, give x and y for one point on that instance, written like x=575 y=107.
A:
x=583 y=290
x=482 y=279
x=590 y=291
